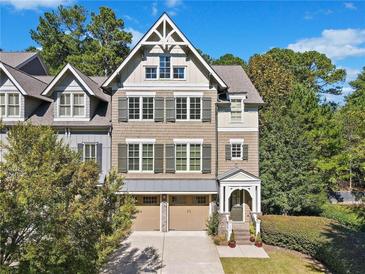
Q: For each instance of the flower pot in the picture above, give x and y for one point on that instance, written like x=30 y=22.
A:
x=258 y=244
x=232 y=244
x=252 y=239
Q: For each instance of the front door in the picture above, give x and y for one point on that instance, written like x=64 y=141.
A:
x=236 y=206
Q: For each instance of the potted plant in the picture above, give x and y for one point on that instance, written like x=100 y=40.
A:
x=252 y=233
x=258 y=241
x=232 y=240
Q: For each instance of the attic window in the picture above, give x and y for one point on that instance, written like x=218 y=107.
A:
x=9 y=105
x=72 y=105
x=165 y=67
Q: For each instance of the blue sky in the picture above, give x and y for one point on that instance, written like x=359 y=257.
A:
x=242 y=28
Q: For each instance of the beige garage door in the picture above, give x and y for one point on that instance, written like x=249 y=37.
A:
x=148 y=216
x=188 y=212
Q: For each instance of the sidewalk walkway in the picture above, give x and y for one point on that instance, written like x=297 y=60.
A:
x=242 y=251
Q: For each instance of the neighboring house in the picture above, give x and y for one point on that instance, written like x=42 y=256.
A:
x=184 y=134
x=29 y=62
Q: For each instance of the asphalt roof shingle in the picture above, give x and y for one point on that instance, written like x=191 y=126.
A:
x=15 y=59
x=238 y=82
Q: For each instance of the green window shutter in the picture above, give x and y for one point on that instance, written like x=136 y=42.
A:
x=122 y=158
x=207 y=109
x=159 y=109
x=170 y=109
x=80 y=150
x=158 y=158
x=170 y=158
x=122 y=109
x=244 y=152
x=207 y=158
x=99 y=155
x=228 y=152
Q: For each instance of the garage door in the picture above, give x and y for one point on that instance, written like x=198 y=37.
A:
x=148 y=216
x=188 y=212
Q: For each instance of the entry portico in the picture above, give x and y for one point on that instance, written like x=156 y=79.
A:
x=237 y=186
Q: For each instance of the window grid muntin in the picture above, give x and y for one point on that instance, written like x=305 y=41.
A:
x=133 y=157
x=150 y=200
x=236 y=151
x=195 y=157
x=147 y=157
x=200 y=200
x=165 y=67
x=147 y=108
x=181 y=157
x=65 y=105
x=181 y=108
x=179 y=72
x=236 y=110
x=188 y=157
x=134 y=108
x=151 y=73
x=195 y=108
x=90 y=152
x=141 y=157
x=13 y=105
x=79 y=104
x=2 y=104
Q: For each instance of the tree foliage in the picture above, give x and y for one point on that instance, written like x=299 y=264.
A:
x=54 y=218
x=96 y=46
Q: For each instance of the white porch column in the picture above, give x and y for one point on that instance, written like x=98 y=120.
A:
x=221 y=199
x=254 y=199
x=259 y=198
x=226 y=198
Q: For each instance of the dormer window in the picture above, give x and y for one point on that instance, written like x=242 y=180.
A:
x=236 y=109
x=9 y=104
x=165 y=67
x=72 y=105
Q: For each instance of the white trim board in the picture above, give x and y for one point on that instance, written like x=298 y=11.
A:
x=240 y=129
x=165 y=43
x=12 y=79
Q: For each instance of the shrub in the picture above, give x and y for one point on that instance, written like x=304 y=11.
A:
x=212 y=224
x=219 y=240
x=336 y=246
x=351 y=216
x=252 y=229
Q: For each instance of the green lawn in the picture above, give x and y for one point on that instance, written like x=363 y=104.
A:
x=281 y=262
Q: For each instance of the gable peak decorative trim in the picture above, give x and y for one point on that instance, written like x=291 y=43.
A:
x=12 y=79
x=164 y=28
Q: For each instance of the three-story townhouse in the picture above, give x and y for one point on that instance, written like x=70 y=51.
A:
x=183 y=134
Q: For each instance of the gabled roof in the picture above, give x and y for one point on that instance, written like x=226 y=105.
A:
x=238 y=82
x=165 y=40
x=91 y=87
x=25 y=83
x=233 y=171
x=19 y=59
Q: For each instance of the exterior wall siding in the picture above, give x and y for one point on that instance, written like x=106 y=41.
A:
x=164 y=133
x=77 y=137
x=252 y=164
x=250 y=118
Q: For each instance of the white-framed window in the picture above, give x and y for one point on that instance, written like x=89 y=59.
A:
x=9 y=104
x=2 y=104
x=151 y=72
x=200 y=200
x=188 y=108
x=165 y=67
x=236 y=149
x=141 y=157
x=141 y=108
x=236 y=109
x=150 y=200
x=90 y=152
x=188 y=157
x=71 y=104
x=179 y=72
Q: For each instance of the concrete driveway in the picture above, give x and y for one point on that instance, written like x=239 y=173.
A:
x=171 y=252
